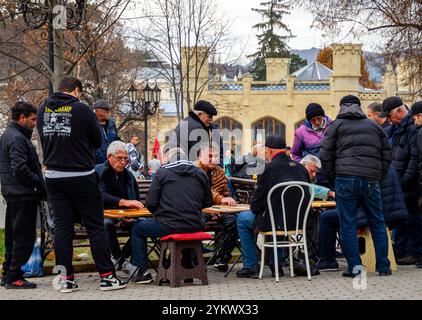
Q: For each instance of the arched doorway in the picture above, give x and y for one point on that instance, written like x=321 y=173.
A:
x=270 y=125
x=232 y=136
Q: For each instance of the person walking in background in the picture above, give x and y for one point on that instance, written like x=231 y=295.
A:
x=22 y=186
x=356 y=156
x=69 y=134
x=136 y=160
x=309 y=135
x=109 y=134
x=154 y=164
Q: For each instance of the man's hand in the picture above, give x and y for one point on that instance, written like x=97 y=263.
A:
x=131 y=204
x=331 y=194
x=228 y=201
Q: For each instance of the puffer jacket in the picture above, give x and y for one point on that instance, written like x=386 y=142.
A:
x=108 y=135
x=20 y=168
x=405 y=155
x=355 y=146
x=419 y=144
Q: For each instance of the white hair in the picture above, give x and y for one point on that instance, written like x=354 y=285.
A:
x=116 y=146
x=310 y=159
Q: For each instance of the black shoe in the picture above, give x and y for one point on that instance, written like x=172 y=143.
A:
x=3 y=281
x=143 y=278
x=385 y=273
x=111 y=282
x=221 y=265
x=188 y=280
x=349 y=274
x=406 y=261
x=21 y=284
x=247 y=273
x=280 y=271
x=68 y=286
x=326 y=265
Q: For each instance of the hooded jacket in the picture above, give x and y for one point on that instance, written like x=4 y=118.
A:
x=405 y=154
x=355 y=146
x=20 y=168
x=108 y=135
x=177 y=195
x=69 y=133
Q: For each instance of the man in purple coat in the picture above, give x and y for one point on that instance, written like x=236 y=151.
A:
x=309 y=136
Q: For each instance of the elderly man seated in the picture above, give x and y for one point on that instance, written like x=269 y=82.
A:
x=312 y=164
x=176 y=198
x=280 y=168
x=119 y=190
x=208 y=158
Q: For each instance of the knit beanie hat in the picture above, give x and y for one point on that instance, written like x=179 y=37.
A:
x=314 y=110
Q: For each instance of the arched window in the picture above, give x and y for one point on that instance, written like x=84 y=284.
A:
x=270 y=125
x=229 y=140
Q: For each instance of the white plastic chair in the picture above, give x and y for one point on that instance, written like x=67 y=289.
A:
x=292 y=236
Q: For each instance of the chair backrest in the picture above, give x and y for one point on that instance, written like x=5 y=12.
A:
x=144 y=186
x=243 y=189
x=302 y=208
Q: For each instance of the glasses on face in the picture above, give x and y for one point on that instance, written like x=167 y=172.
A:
x=120 y=159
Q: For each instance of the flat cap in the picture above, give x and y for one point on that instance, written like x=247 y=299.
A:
x=275 y=141
x=101 y=104
x=389 y=104
x=416 y=108
x=206 y=107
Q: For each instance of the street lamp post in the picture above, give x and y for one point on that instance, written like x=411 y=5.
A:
x=37 y=13
x=148 y=106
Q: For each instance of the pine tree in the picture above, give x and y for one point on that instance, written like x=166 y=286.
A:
x=272 y=45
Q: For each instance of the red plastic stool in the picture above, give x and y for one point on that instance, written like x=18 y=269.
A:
x=175 y=272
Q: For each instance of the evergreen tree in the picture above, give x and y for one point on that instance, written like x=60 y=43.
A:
x=297 y=62
x=272 y=45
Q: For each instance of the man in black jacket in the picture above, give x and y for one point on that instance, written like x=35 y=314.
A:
x=176 y=197
x=356 y=156
x=197 y=129
x=22 y=186
x=402 y=136
x=280 y=168
x=120 y=190
x=70 y=133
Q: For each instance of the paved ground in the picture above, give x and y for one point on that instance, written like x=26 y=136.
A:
x=404 y=284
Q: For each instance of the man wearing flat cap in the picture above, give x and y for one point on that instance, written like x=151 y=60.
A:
x=402 y=136
x=280 y=168
x=102 y=110
x=356 y=157
x=197 y=129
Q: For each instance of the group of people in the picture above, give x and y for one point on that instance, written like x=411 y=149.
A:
x=368 y=162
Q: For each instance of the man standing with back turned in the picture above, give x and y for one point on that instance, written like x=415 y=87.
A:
x=70 y=133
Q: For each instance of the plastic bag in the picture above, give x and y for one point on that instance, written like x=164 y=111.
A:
x=34 y=266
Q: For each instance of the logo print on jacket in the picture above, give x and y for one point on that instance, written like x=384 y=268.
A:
x=57 y=121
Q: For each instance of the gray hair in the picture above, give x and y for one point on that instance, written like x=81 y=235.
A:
x=116 y=146
x=310 y=159
x=207 y=146
x=375 y=107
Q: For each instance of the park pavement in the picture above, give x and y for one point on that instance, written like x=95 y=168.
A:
x=406 y=283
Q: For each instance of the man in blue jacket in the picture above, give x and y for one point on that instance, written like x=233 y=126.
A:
x=102 y=110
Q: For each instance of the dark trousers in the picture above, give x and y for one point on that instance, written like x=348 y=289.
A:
x=73 y=199
x=116 y=251
x=329 y=224
x=21 y=220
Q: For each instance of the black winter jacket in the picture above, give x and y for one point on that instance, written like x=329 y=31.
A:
x=191 y=133
x=405 y=155
x=69 y=132
x=20 y=168
x=280 y=169
x=177 y=195
x=355 y=146
x=419 y=144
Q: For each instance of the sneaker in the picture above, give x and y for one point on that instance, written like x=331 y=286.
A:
x=111 y=282
x=247 y=273
x=327 y=265
x=143 y=278
x=406 y=261
x=385 y=273
x=3 y=282
x=280 y=271
x=419 y=265
x=221 y=265
x=21 y=284
x=129 y=268
x=349 y=274
x=188 y=280
x=68 y=286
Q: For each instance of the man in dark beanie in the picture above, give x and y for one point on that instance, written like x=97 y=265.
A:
x=309 y=135
x=197 y=129
x=403 y=137
x=356 y=156
x=280 y=168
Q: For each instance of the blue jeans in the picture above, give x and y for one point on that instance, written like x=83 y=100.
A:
x=245 y=226
x=141 y=231
x=329 y=223
x=352 y=192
